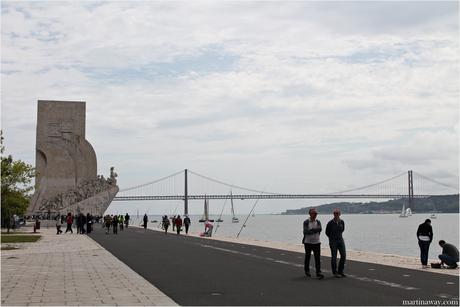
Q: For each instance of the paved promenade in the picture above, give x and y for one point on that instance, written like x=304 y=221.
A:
x=199 y=271
x=71 y=269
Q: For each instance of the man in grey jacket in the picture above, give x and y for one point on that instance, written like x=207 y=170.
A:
x=311 y=231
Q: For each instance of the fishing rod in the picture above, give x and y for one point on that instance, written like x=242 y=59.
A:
x=250 y=212
x=220 y=216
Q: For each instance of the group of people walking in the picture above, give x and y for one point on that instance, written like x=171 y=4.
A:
x=114 y=221
x=83 y=222
x=177 y=224
x=311 y=240
x=312 y=229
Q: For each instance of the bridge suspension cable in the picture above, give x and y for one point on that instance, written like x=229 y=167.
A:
x=437 y=182
x=151 y=182
x=370 y=185
x=231 y=185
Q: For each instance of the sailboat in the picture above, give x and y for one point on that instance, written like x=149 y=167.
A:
x=205 y=216
x=433 y=213
x=234 y=218
x=404 y=211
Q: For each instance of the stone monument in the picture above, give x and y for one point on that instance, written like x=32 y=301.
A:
x=66 y=164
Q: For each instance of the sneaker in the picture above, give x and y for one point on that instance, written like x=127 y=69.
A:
x=453 y=266
x=342 y=274
x=319 y=276
x=308 y=274
x=336 y=275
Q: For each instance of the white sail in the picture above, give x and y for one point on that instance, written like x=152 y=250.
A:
x=408 y=212
x=404 y=211
x=234 y=218
x=204 y=216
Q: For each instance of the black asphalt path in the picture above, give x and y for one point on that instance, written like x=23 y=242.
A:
x=198 y=271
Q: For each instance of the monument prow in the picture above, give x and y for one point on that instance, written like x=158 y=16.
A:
x=66 y=163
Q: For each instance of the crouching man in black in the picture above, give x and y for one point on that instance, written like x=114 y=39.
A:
x=449 y=254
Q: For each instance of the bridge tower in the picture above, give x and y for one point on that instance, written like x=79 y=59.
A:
x=185 y=194
x=411 y=190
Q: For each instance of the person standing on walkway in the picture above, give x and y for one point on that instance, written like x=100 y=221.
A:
x=89 y=222
x=69 y=221
x=334 y=230
x=121 y=221
x=424 y=236
x=178 y=222
x=58 y=226
x=165 y=224
x=449 y=254
x=108 y=223
x=78 y=218
x=115 y=224
x=311 y=231
x=126 y=220
x=173 y=222
x=187 y=223
x=145 y=220
x=83 y=223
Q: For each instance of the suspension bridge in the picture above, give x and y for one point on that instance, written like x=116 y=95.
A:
x=179 y=186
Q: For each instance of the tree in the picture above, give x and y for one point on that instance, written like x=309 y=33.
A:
x=15 y=185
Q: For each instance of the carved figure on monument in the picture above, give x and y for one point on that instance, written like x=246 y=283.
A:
x=113 y=176
x=66 y=163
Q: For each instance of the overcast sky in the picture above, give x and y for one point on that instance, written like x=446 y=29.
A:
x=306 y=97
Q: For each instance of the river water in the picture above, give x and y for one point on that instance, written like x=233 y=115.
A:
x=382 y=233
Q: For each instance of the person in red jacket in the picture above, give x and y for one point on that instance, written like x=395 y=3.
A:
x=178 y=223
x=69 y=221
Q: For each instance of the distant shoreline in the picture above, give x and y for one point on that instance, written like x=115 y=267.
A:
x=433 y=204
x=366 y=213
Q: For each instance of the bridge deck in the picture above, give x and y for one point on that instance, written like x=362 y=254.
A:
x=266 y=196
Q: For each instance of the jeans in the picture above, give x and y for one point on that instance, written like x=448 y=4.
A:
x=337 y=245
x=449 y=260
x=69 y=228
x=424 y=247
x=316 y=248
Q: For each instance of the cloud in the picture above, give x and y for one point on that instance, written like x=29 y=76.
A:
x=329 y=94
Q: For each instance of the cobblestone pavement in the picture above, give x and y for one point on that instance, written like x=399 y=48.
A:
x=71 y=269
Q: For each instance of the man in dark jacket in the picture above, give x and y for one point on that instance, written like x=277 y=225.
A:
x=145 y=220
x=424 y=236
x=334 y=230
x=178 y=222
x=186 y=223
x=449 y=254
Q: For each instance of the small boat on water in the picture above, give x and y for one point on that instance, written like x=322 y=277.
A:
x=205 y=216
x=405 y=212
x=433 y=213
x=234 y=218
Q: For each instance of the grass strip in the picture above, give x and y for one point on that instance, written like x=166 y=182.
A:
x=19 y=238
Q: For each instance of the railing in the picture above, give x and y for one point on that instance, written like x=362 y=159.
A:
x=265 y=196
